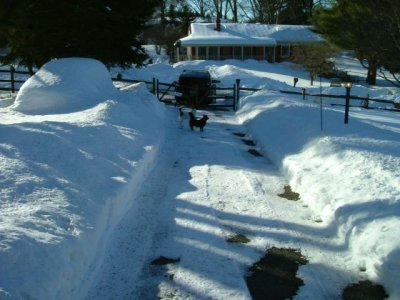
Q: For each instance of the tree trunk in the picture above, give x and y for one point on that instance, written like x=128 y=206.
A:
x=312 y=78
x=235 y=11
x=372 y=70
x=30 y=69
x=158 y=49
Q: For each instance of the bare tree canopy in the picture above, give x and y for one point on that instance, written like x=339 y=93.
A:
x=263 y=11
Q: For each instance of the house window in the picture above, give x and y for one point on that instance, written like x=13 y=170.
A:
x=226 y=52
x=202 y=53
x=293 y=49
x=285 y=50
x=270 y=54
x=258 y=53
x=182 y=53
x=247 y=52
x=192 y=53
x=213 y=53
x=237 y=52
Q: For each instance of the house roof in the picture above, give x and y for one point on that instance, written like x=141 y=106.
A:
x=204 y=34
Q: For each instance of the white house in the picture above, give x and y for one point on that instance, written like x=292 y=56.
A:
x=243 y=41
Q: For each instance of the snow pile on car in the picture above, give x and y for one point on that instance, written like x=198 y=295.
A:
x=65 y=85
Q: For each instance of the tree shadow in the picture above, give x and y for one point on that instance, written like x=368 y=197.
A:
x=200 y=234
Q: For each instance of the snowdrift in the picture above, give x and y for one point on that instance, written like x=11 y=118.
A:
x=68 y=178
x=347 y=174
x=65 y=85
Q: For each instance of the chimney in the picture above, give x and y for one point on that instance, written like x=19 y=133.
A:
x=218 y=24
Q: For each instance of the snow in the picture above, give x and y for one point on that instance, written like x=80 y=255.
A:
x=62 y=186
x=84 y=84
x=98 y=182
x=204 y=34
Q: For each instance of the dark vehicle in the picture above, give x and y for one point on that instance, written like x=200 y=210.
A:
x=195 y=88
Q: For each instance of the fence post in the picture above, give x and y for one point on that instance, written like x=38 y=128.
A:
x=237 y=95
x=154 y=86
x=12 y=70
x=234 y=97
x=366 y=102
x=347 y=107
x=304 y=94
x=157 y=89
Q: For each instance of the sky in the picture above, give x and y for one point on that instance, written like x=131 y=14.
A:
x=98 y=181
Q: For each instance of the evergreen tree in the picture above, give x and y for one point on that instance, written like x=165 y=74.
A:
x=39 y=30
x=175 y=26
x=389 y=42
x=296 y=12
x=368 y=27
x=279 y=11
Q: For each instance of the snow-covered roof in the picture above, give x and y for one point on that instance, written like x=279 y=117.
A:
x=204 y=34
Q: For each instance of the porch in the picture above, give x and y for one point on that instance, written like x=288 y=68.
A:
x=269 y=53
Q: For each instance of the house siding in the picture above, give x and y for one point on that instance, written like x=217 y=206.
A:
x=243 y=41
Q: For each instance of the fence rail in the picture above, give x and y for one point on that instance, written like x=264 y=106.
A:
x=14 y=71
x=12 y=80
x=165 y=92
x=366 y=99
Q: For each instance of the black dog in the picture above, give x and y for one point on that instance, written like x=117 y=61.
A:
x=193 y=122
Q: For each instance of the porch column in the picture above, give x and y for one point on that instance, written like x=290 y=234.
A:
x=274 y=57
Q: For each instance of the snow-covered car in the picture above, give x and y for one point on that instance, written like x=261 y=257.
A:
x=195 y=88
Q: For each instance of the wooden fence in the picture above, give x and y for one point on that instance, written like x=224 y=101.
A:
x=11 y=81
x=366 y=101
x=165 y=92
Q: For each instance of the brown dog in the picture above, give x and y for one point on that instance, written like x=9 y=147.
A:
x=193 y=122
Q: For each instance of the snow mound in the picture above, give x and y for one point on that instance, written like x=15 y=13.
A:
x=347 y=174
x=67 y=179
x=65 y=85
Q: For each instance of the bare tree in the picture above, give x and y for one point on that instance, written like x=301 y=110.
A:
x=315 y=59
x=201 y=7
x=263 y=11
x=218 y=8
x=278 y=11
x=226 y=9
x=233 y=6
x=163 y=6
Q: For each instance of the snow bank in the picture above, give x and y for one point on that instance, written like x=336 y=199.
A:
x=65 y=85
x=347 y=174
x=67 y=179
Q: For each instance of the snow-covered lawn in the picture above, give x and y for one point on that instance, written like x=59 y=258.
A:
x=96 y=183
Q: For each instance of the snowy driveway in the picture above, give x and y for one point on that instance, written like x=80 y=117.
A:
x=204 y=188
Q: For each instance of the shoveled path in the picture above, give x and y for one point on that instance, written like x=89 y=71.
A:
x=205 y=187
